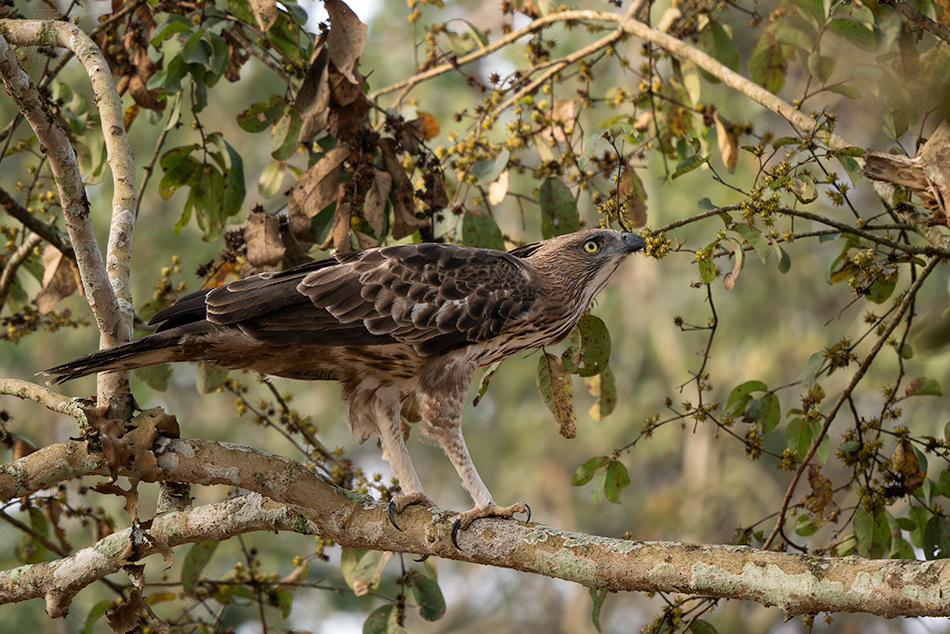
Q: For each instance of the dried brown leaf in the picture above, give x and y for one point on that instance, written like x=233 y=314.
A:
x=265 y=249
x=401 y=194
x=59 y=280
x=265 y=13
x=904 y=461
x=634 y=196
x=498 y=189
x=374 y=206
x=313 y=97
x=562 y=122
x=346 y=39
x=728 y=143
x=316 y=188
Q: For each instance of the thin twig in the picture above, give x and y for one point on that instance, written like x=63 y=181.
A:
x=905 y=305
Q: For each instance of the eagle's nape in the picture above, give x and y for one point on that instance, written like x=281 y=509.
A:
x=385 y=323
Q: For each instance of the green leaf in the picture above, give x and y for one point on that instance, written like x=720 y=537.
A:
x=798 y=38
x=918 y=518
x=766 y=412
x=195 y=561
x=707 y=271
x=895 y=123
x=824 y=447
x=261 y=115
x=603 y=387
x=854 y=31
x=784 y=262
x=798 y=436
x=715 y=41
x=584 y=473
x=740 y=395
x=819 y=66
x=786 y=140
x=923 y=386
x=616 y=480
x=378 y=620
x=155 y=376
x=285 y=602
x=321 y=223
x=209 y=378
x=483 y=384
x=687 y=165
x=429 y=597
x=558 y=209
x=809 y=375
x=851 y=92
x=96 y=613
x=287 y=136
x=597 y=490
x=812 y=8
x=700 y=626
x=362 y=569
x=804 y=189
x=173 y=24
x=271 y=179
x=852 y=168
x=759 y=242
x=197 y=50
x=480 y=37
x=590 y=353
x=480 y=230
x=768 y=64
x=597 y=597
x=233 y=165
x=181 y=169
x=589 y=147
x=936 y=538
x=29 y=550
x=804 y=526
x=285 y=35
x=943 y=483
x=863 y=531
x=487 y=171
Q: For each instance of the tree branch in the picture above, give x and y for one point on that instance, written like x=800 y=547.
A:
x=798 y=584
x=45 y=396
x=112 y=303
x=24 y=217
x=672 y=45
x=920 y=20
x=882 y=339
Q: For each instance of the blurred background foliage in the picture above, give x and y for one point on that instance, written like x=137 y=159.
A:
x=636 y=138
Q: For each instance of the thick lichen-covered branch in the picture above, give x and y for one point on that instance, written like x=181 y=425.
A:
x=798 y=584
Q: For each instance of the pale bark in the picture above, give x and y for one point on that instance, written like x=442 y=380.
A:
x=297 y=499
x=106 y=283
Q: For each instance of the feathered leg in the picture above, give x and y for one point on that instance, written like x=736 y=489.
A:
x=442 y=422
x=377 y=413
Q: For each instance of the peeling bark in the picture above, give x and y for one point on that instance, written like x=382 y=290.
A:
x=297 y=499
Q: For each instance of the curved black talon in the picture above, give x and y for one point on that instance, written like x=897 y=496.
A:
x=527 y=510
x=456 y=525
x=392 y=517
x=421 y=559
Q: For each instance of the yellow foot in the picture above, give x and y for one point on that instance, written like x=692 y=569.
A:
x=400 y=502
x=492 y=510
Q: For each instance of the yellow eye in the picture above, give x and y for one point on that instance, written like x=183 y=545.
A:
x=591 y=247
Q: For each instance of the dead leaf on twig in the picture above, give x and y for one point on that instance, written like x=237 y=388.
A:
x=728 y=142
x=59 y=280
x=346 y=39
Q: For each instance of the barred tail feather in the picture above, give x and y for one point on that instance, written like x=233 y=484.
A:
x=152 y=350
